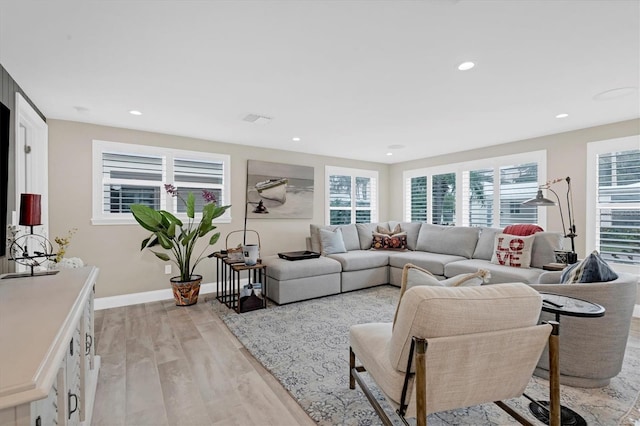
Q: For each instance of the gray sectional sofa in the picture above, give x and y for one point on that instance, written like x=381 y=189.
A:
x=445 y=251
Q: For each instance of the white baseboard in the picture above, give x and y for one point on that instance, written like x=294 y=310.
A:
x=145 y=297
x=636 y=311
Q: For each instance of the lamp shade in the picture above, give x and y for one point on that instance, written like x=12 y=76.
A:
x=30 y=214
x=539 y=200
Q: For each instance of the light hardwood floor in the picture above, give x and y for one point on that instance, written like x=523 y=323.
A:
x=169 y=365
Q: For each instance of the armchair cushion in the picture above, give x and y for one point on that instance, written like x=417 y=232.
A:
x=429 y=312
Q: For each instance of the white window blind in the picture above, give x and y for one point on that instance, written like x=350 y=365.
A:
x=478 y=197
x=618 y=206
x=352 y=196
x=130 y=179
x=443 y=199
x=487 y=192
x=416 y=199
x=197 y=176
x=518 y=183
x=126 y=174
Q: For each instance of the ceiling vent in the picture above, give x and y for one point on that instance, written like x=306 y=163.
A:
x=257 y=119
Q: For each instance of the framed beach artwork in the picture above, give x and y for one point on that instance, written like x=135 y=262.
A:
x=279 y=191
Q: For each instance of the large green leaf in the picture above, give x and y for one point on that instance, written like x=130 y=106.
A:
x=171 y=232
x=161 y=255
x=191 y=205
x=147 y=217
x=188 y=237
x=164 y=240
x=214 y=238
x=171 y=218
x=144 y=243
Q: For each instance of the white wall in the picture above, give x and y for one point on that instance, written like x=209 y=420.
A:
x=115 y=248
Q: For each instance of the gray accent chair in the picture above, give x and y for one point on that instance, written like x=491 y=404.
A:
x=591 y=349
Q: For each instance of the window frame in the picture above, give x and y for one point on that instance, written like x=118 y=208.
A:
x=353 y=173
x=461 y=208
x=593 y=150
x=99 y=147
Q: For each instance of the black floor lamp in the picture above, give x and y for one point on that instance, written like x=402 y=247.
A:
x=540 y=200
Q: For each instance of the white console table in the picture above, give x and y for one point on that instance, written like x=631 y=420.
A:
x=48 y=366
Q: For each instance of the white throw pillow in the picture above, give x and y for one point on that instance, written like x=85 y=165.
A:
x=512 y=250
x=332 y=242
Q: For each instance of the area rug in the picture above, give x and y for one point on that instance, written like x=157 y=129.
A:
x=305 y=346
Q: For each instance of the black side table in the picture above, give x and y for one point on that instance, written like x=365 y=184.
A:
x=559 y=305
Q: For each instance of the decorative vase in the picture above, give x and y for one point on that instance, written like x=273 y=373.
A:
x=251 y=254
x=186 y=292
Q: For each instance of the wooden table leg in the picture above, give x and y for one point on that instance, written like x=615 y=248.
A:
x=554 y=374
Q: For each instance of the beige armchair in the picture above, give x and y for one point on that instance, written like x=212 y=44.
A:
x=466 y=346
x=591 y=349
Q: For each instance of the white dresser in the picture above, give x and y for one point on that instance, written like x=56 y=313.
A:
x=48 y=366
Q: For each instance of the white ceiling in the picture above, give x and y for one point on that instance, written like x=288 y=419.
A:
x=350 y=78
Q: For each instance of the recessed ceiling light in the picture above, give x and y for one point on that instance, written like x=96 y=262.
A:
x=465 y=66
x=389 y=153
x=563 y=115
x=296 y=139
x=619 y=92
x=134 y=112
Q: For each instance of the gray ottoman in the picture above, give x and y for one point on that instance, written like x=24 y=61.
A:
x=291 y=281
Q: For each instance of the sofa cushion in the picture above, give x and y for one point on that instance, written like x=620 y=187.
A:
x=544 y=246
x=590 y=270
x=331 y=241
x=486 y=241
x=512 y=250
x=432 y=262
x=389 y=242
x=365 y=233
x=283 y=270
x=349 y=236
x=356 y=260
x=456 y=240
x=499 y=273
x=412 y=229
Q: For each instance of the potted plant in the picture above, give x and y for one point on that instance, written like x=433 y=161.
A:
x=179 y=239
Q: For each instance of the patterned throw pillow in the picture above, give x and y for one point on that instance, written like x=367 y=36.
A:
x=413 y=276
x=593 y=269
x=387 y=231
x=512 y=250
x=389 y=242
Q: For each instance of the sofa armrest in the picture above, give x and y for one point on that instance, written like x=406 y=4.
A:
x=550 y=277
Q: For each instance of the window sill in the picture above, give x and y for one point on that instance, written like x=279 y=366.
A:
x=131 y=221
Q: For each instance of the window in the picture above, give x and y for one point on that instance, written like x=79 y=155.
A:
x=125 y=174
x=485 y=192
x=613 y=215
x=352 y=195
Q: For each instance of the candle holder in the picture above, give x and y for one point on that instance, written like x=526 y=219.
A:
x=30 y=250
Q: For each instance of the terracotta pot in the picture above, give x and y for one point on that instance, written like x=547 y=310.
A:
x=186 y=292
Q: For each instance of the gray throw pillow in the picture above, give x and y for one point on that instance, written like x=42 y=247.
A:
x=332 y=242
x=593 y=269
